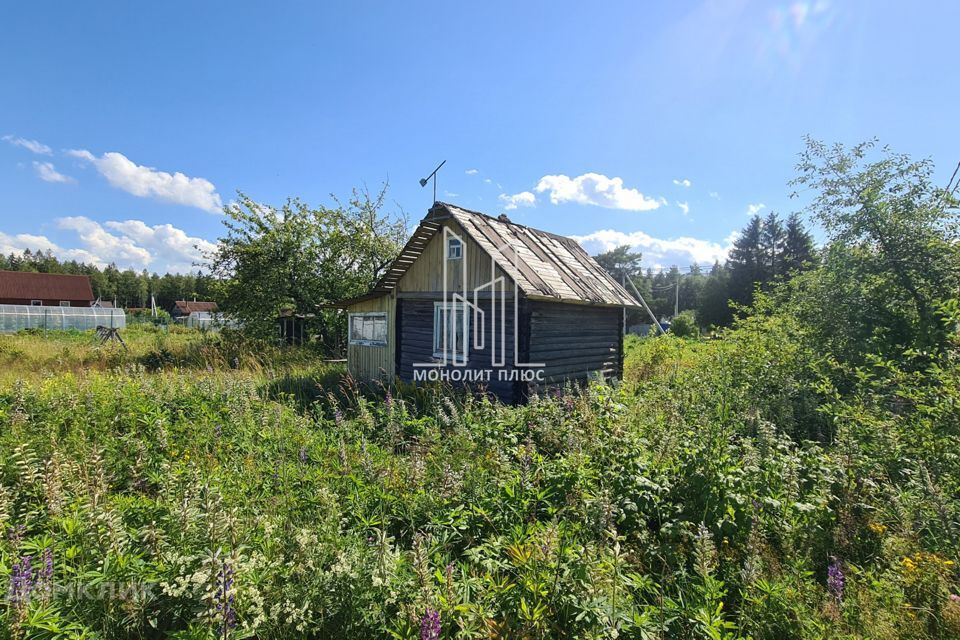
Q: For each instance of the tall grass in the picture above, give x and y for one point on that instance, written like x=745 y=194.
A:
x=205 y=499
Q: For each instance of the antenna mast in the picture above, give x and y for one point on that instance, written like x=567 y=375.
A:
x=424 y=181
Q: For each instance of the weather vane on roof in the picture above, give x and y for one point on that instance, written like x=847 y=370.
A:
x=424 y=181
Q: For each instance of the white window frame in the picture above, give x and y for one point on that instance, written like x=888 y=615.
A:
x=368 y=343
x=64 y=303
x=454 y=244
x=454 y=352
x=36 y=303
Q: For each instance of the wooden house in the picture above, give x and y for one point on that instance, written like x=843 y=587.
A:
x=45 y=289
x=486 y=302
x=183 y=309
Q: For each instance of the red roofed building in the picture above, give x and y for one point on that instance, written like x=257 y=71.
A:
x=182 y=308
x=47 y=289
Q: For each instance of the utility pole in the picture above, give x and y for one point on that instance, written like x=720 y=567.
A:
x=676 y=303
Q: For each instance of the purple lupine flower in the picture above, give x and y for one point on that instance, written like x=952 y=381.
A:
x=389 y=401
x=303 y=455
x=338 y=416
x=835 y=578
x=218 y=430
x=225 y=597
x=21 y=581
x=430 y=625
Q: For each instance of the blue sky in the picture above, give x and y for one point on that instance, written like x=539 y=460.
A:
x=660 y=124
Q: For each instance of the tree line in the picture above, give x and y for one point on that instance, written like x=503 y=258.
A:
x=767 y=251
x=127 y=288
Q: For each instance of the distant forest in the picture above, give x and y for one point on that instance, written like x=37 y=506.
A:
x=767 y=250
x=128 y=288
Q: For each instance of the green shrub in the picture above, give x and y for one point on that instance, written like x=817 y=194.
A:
x=684 y=325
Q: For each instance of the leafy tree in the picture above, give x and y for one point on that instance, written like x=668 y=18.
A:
x=621 y=262
x=891 y=257
x=300 y=257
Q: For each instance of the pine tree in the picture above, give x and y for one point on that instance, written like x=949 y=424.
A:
x=772 y=242
x=746 y=262
x=798 y=251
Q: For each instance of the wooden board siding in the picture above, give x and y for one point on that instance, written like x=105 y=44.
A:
x=416 y=345
x=374 y=363
x=575 y=341
x=426 y=273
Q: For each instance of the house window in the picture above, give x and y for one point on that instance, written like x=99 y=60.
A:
x=451 y=331
x=36 y=303
x=368 y=329
x=454 y=249
x=64 y=303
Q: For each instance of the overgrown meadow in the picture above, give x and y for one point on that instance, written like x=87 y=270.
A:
x=727 y=488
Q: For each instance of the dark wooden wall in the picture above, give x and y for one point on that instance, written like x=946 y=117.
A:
x=415 y=344
x=575 y=341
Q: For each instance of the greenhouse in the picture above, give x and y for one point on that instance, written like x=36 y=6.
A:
x=14 y=317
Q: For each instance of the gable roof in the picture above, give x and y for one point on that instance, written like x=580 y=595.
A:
x=186 y=307
x=44 y=286
x=546 y=266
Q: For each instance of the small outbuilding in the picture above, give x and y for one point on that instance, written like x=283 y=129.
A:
x=183 y=308
x=485 y=302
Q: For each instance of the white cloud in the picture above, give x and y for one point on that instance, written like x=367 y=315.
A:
x=487 y=180
x=658 y=251
x=147 y=182
x=451 y=194
x=103 y=244
x=684 y=206
x=754 y=209
x=522 y=199
x=31 y=145
x=683 y=183
x=596 y=189
x=128 y=244
x=714 y=195
x=166 y=243
x=19 y=242
x=49 y=173
x=472 y=172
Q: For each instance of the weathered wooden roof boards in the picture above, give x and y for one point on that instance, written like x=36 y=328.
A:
x=491 y=304
x=545 y=266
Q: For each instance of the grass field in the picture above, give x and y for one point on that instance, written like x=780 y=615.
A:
x=197 y=487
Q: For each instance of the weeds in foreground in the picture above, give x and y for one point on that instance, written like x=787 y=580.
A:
x=704 y=497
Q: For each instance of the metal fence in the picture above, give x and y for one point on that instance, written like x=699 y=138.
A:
x=15 y=317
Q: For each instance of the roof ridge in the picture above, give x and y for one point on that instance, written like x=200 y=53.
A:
x=507 y=221
x=44 y=273
x=546 y=265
